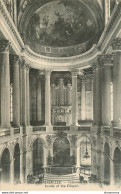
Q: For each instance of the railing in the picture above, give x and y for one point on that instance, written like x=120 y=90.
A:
x=64 y=128
x=117 y=133
x=38 y=128
x=106 y=131
x=4 y=133
x=16 y=130
x=84 y=128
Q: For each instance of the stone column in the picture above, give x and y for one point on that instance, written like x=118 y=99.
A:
x=106 y=90
x=97 y=87
x=4 y=83
x=61 y=92
x=12 y=170
x=45 y=157
x=47 y=98
x=16 y=91
x=23 y=92
x=94 y=94
x=39 y=108
x=74 y=98
x=83 y=99
x=78 y=156
x=117 y=81
x=27 y=95
x=112 y=178
x=69 y=94
x=21 y=168
x=53 y=94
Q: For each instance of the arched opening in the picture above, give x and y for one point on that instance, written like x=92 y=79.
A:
x=117 y=165
x=106 y=164
x=37 y=156
x=5 y=166
x=85 y=157
x=85 y=152
x=17 y=163
x=61 y=151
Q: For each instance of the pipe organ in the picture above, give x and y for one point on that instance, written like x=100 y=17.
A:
x=61 y=103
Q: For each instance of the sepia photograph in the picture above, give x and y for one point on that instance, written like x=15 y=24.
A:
x=60 y=95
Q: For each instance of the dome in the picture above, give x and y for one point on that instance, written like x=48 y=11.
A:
x=62 y=28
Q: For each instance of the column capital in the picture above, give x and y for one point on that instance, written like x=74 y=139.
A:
x=4 y=45
x=116 y=44
x=102 y=60
x=23 y=64
x=16 y=58
x=105 y=59
x=47 y=72
x=86 y=77
x=74 y=72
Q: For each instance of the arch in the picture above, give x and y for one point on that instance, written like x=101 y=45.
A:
x=34 y=139
x=38 y=156
x=17 y=163
x=61 y=151
x=5 y=166
x=83 y=136
x=106 y=163
x=85 y=149
x=117 y=165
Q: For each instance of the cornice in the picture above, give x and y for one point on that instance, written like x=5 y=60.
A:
x=105 y=59
x=116 y=44
x=112 y=28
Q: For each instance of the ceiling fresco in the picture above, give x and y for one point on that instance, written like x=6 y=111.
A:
x=61 y=23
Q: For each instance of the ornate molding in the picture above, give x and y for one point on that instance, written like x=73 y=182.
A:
x=105 y=59
x=47 y=72
x=102 y=60
x=10 y=23
x=116 y=44
x=4 y=45
x=105 y=39
x=23 y=64
x=74 y=72
x=85 y=77
x=16 y=59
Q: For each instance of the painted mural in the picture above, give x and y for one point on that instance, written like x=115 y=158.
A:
x=61 y=23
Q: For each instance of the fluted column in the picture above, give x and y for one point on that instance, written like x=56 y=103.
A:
x=69 y=94
x=106 y=89
x=74 y=98
x=47 y=98
x=53 y=94
x=16 y=91
x=27 y=95
x=61 y=92
x=83 y=99
x=4 y=83
x=97 y=87
x=23 y=92
x=12 y=170
x=94 y=94
x=39 y=108
x=21 y=168
x=117 y=81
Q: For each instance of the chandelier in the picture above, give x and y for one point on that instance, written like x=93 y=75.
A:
x=86 y=153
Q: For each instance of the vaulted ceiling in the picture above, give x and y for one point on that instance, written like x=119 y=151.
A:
x=60 y=23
